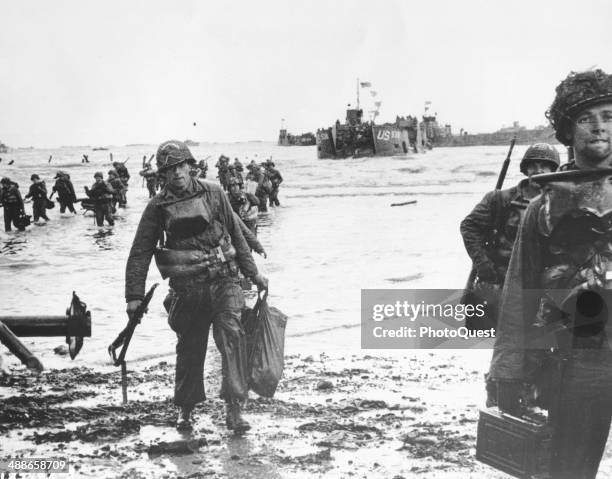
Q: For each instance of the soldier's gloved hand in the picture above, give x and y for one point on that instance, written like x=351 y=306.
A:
x=261 y=281
x=262 y=253
x=486 y=272
x=132 y=306
x=509 y=396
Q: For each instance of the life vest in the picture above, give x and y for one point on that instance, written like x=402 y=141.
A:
x=197 y=243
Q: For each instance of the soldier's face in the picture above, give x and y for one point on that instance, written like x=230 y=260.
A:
x=178 y=176
x=593 y=133
x=538 y=167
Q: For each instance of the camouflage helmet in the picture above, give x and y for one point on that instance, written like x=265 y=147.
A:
x=171 y=153
x=98 y=174
x=541 y=152
x=576 y=92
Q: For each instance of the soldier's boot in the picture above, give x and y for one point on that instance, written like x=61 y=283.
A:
x=233 y=417
x=184 y=421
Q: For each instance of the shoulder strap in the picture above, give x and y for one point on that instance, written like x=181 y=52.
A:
x=498 y=210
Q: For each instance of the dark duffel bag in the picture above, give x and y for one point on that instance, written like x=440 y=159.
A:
x=23 y=220
x=265 y=332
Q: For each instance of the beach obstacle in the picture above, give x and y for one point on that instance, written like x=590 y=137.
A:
x=74 y=326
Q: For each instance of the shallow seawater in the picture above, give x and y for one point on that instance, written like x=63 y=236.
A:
x=334 y=234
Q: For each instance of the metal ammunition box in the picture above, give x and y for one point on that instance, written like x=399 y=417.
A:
x=520 y=447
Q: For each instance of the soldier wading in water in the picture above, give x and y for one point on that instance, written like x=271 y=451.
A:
x=195 y=219
x=490 y=229
x=552 y=299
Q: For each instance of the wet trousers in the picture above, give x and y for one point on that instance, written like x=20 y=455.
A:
x=11 y=213
x=582 y=421
x=66 y=204
x=274 y=197
x=263 y=201
x=39 y=209
x=191 y=314
x=102 y=211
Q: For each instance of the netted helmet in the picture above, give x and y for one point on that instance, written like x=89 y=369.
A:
x=541 y=152
x=576 y=92
x=171 y=153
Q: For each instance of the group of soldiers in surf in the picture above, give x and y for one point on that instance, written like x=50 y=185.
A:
x=103 y=197
x=261 y=182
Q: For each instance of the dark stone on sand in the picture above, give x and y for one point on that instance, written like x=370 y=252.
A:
x=325 y=384
x=61 y=350
x=182 y=446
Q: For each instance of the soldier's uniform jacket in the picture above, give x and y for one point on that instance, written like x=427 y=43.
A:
x=64 y=189
x=240 y=207
x=118 y=186
x=211 y=226
x=122 y=172
x=38 y=191
x=100 y=191
x=551 y=256
x=275 y=176
x=10 y=195
x=490 y=229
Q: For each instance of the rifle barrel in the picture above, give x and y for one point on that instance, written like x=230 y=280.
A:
x=504 y=170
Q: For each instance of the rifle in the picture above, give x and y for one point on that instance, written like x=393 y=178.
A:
x=500 y=181
x=125 y=336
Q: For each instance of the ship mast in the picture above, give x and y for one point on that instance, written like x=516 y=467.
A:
x=357 y=93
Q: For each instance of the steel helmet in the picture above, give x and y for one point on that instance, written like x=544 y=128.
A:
x=541 y=152
x=171 y=153
x=98 y=174
x=112 y=173
x=575 y=93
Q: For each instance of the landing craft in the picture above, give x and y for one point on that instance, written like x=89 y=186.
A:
x=357 y=138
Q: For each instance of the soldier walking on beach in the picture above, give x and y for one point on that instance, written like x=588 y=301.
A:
x=11 y=200
x=276 y=179
x=244 y=204
x=489 y=231
x=118 y=187
x=102 y=194
x=258 y=175
x=196 y=217
x=124 y=176
x=150 y=176
x=38 y=193
x=557 y=273
x=65 y=192
x=223 y=172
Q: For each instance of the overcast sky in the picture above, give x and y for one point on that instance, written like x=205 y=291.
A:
x=117 y=72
